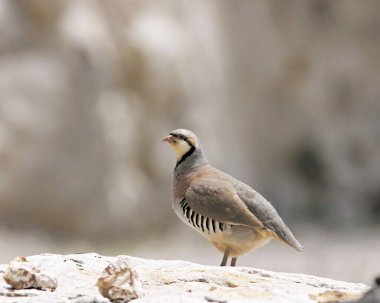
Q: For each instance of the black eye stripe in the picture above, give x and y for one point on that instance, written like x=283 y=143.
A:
x=177 y=136
x=182 y=137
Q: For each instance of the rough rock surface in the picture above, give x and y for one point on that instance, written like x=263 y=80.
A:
x=179 y=281
x=119 y=281
x=373 y=295
x=22 y=274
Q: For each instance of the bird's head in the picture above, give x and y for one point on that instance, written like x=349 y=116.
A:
x=186 y=145
x=182 y=141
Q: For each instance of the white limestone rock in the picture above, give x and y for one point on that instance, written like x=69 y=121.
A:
x=22 y=274
x=179 y=281
x=119 y=281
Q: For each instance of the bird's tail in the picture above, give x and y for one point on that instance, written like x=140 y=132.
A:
x=289 y=239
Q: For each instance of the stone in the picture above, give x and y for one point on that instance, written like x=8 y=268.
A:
x=119 y=281
x=22 y=274
x=371 y=296
x=175 y=281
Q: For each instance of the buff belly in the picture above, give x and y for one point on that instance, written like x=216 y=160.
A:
x=239 y=239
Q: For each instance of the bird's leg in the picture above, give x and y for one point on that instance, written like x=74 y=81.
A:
x=225 y=257
x=233 y=261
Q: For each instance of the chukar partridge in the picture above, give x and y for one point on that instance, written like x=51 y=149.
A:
x=227 y=212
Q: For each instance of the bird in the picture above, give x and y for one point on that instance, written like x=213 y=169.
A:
x=230 y=214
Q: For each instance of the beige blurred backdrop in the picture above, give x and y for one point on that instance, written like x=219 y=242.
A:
x=284 y=95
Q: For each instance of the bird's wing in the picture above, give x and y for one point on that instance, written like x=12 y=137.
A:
x=266 y=213
x=218 y=200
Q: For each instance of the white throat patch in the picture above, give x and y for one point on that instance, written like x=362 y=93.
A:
x=181 y=148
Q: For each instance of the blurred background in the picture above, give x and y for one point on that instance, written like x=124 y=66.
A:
x=284 y=95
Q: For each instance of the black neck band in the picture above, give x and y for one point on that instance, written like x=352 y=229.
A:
x=187 y=155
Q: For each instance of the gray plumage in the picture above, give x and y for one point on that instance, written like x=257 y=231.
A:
x=215 y=195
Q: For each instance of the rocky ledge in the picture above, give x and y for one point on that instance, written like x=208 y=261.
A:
x=85 y=278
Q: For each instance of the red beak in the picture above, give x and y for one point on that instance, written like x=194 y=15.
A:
x=168 y=139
